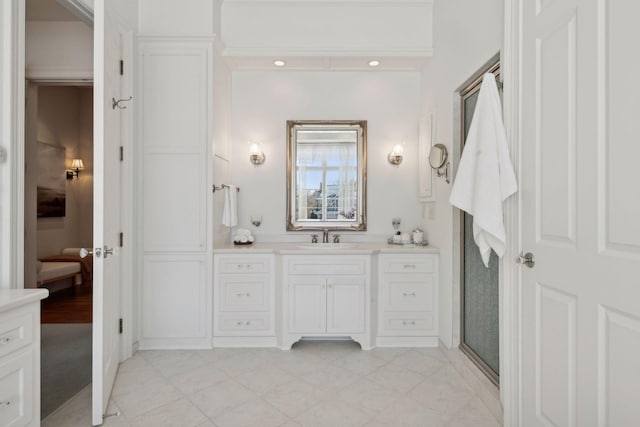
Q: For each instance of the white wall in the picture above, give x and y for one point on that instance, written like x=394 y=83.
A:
x=58 y=50
x=176 y=17
x=312 y=27
x=65 y=117
x=467 y=33
x=262 y=102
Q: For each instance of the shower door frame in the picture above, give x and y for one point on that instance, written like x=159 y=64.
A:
x=468 y=88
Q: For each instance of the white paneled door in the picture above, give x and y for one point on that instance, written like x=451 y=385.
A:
x=580 y=302
x=109 y=28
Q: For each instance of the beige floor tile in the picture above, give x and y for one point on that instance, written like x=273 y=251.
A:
x=442 y=393
x=396 y=377
x=388 y=353
x=369 y=396
x=294 y=397
x=474 y=414
x=407 y=413
x=361 y=363
x=172 y=362
x=215 y=400
x=180 y=413
x=201 y=377
x=334 y=413
x=256 y=412
x=264 y=380
x=418 y=362
x=330 y=378
x=153 y=394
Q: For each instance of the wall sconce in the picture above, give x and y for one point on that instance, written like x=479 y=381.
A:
x=76 y=167
x=255 y=154
x=396 y=155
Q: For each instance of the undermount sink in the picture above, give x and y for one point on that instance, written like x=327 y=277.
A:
x=327 y=246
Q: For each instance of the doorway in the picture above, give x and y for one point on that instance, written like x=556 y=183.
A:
x=58 y=222
x=479 y=298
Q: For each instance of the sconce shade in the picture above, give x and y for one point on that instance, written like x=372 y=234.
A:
x=256 y=156
x=77 y=164
x=396 y=155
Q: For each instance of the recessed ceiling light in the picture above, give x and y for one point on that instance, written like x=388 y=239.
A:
x=374 y=63
x=279 y=63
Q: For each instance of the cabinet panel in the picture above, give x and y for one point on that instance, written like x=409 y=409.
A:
x=175 y=210
x=15 y=332
x=243 y=293
x=244 y=265
x=244 y=323
x=16 y=390
x=325 y=265
x=407 y=323
x=410 y=292
x=175 y=297
x=345 y=304
x=307 y=304
x=408 y=264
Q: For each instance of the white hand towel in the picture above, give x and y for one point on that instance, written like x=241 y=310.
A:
x=485 y=177
x=230 y=210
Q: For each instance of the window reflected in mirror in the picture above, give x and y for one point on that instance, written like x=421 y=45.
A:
x=326 y=175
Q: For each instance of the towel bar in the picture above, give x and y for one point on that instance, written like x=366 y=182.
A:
x=222 y=186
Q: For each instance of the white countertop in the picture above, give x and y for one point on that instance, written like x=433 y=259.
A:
x=354 y=248
x=12 y=298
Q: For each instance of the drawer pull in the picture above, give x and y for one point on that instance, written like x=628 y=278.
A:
x=406 y=294
x=241 y=323
x=5 y=340
x=5 y=403
x=243 y=294
x=409 y=266
x=408 y=323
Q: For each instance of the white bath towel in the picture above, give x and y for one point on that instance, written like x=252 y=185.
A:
x=230 y=209
x=485 y=177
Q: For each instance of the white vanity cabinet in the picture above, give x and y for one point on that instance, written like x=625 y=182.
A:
x=407 y=299
x=20 y=356
x=243 y=295
x=326 y=296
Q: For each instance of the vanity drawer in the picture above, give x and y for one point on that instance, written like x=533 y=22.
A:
x=408 y=263
x=243 y=293
x=244 y=265
x=16 y=331
x=407 y=323
x=255 y=323
x=17 y=393
x=414 y=292
x=327 y=265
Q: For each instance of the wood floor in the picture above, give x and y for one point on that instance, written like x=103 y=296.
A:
x=72 y=305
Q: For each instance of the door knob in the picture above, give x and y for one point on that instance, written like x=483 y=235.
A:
x=84 y=252
x=107 y=251
x=526 y=259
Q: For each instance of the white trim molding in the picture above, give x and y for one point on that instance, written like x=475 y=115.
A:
x=510 y=346
x=12 y=143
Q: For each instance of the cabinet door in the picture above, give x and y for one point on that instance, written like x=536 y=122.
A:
x=16 y=390
x=345 y=305
x=307 y=304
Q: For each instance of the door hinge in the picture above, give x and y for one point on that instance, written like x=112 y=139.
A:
x=121 y=153
x=121 y=67
x=121 y=239
x=120 y=325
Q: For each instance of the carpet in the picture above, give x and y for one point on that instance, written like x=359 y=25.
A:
x=65 y=363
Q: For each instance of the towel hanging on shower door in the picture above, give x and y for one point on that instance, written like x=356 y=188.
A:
x=485 y=177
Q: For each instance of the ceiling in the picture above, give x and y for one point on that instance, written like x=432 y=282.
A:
x=47 y=10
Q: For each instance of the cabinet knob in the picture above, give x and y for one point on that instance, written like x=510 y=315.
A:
x=5 y=403
x=5 y=340
x=248 y=323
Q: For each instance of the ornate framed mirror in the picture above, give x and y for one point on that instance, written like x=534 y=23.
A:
x=326 y=175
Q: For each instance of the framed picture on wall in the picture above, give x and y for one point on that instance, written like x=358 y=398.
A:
x=52 y=191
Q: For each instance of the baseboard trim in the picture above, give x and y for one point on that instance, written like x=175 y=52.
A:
x=406 y=342
x=239 y=342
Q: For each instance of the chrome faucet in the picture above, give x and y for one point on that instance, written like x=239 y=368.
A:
x=325 y=235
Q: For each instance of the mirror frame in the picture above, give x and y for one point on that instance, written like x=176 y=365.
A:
x=361 y=225
x=444 y=156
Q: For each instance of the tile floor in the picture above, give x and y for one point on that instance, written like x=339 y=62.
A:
x=323 y=384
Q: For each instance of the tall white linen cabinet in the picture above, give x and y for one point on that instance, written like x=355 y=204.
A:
x=174 y=179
